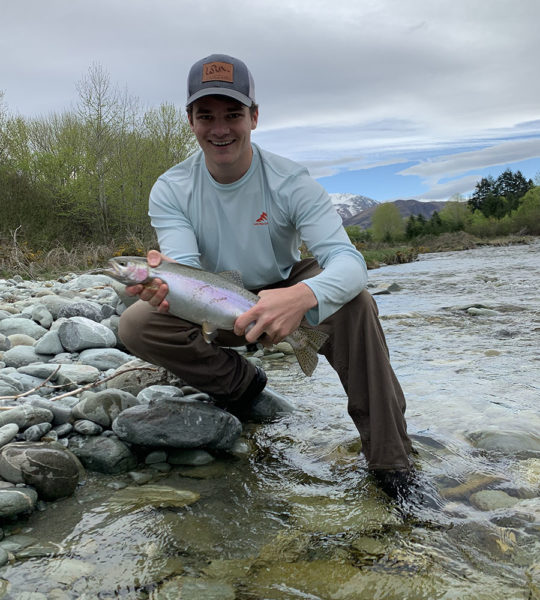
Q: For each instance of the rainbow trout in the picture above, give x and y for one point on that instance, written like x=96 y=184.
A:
x=212 y=300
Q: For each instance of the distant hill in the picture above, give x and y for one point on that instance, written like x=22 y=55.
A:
x=350 y=205
x=406 y=209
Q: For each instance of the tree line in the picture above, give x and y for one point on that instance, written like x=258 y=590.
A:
x=84 y=175
x=507 y=205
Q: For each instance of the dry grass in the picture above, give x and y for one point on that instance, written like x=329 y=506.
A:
x=16 y=258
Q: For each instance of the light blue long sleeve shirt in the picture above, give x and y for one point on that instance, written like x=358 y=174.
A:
x=256 y=225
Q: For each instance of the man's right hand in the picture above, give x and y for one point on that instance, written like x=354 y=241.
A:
x=156 y=290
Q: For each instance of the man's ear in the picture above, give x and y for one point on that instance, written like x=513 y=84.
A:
x=254 y=119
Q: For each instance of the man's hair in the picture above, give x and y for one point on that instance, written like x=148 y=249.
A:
x=252 y=109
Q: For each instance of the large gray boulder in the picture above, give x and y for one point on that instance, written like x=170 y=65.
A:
x=179 y=423
x=50 y=469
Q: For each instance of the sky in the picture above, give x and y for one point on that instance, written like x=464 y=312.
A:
x=383 y=98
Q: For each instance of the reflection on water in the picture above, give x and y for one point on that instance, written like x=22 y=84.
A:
x=299 y=518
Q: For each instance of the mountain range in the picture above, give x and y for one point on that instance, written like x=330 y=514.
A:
x=358 y=210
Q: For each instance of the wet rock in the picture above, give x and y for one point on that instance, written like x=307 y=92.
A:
x=492 y=500
x=88 y=310
x=61 y=409
x=521 y=443
x=17 y=500
x=51 y=470
x=157 y=392
x=157 y=496
x=465 y=489
x=36 y=432
x=103 y=407
x=79 y=333
x=25 y=416
x=8 y=433
x=179 y=423
x=103 y=454
x=86 y=427
x=195 y=587
x=189 y=457
x=9 y=386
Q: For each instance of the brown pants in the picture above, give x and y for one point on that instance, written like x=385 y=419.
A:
x=356 y=349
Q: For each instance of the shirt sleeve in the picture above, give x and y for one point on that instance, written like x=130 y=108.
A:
x=320 y=227
x=174 y=230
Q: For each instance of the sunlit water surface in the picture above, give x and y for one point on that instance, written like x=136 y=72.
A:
x=300 y=518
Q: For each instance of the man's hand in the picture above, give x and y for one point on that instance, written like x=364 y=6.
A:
x=277 y=314
x=155 y=291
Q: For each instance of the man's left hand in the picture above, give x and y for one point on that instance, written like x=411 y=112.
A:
x=277 y=314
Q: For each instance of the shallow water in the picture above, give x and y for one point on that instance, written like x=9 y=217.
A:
x=300 y=518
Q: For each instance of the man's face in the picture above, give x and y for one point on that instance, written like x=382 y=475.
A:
x=223 y=128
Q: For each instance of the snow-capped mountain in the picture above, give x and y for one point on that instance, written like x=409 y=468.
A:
x=349 y=205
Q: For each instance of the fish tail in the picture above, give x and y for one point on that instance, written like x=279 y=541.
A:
x=305 y=343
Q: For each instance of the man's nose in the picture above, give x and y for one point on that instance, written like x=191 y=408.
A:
x=221 y=127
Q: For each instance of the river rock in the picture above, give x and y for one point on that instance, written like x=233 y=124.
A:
x=21 y=339
x=103 y=454
x=66 y=374
x=103 y=407
x=7 y=433
x=61 y=409
x=42 y=315
x=36 y=432
x=49 y=344
x=104 y=359
x=88 y=310
x=17 y=500
x=22 y=325
x=50 y=469
x=179 y=423
x=509 y=442
x=85 y=281
x=20 y=356
x=157 y=392
x=136 y=380
x=5 y=343
x=492 y=500
x=79 y=333
x=195 y=458
x=9 y=386
x=28 y=382
x=54 y=303
x=25 y=416
x=156 y=496
x=86 y=427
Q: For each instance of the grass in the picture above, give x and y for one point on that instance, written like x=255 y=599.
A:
x=18 y=259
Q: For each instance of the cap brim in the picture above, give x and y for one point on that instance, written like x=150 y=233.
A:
x=220 y=91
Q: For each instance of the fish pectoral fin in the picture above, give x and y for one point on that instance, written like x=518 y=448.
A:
x=209 y=332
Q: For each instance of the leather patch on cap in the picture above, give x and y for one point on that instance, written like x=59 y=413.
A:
x=218 y=71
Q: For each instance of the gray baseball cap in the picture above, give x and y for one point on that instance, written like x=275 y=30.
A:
x=223 y=75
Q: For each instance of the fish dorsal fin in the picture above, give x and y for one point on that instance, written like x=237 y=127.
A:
x=233 y=276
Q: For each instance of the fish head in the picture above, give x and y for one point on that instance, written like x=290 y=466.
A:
x=129 y=270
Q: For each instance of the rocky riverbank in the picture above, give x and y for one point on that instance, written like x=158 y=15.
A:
x=72 y=399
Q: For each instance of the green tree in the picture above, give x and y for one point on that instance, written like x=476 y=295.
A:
x=527 y=216
x=497 y=198
x=455 y=213
x=387 y=224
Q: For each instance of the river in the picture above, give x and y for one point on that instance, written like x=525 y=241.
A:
x=299 y=517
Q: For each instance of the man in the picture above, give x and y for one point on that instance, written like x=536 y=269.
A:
x=234 y=206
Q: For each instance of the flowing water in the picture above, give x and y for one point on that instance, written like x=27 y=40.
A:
x=300 y=518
